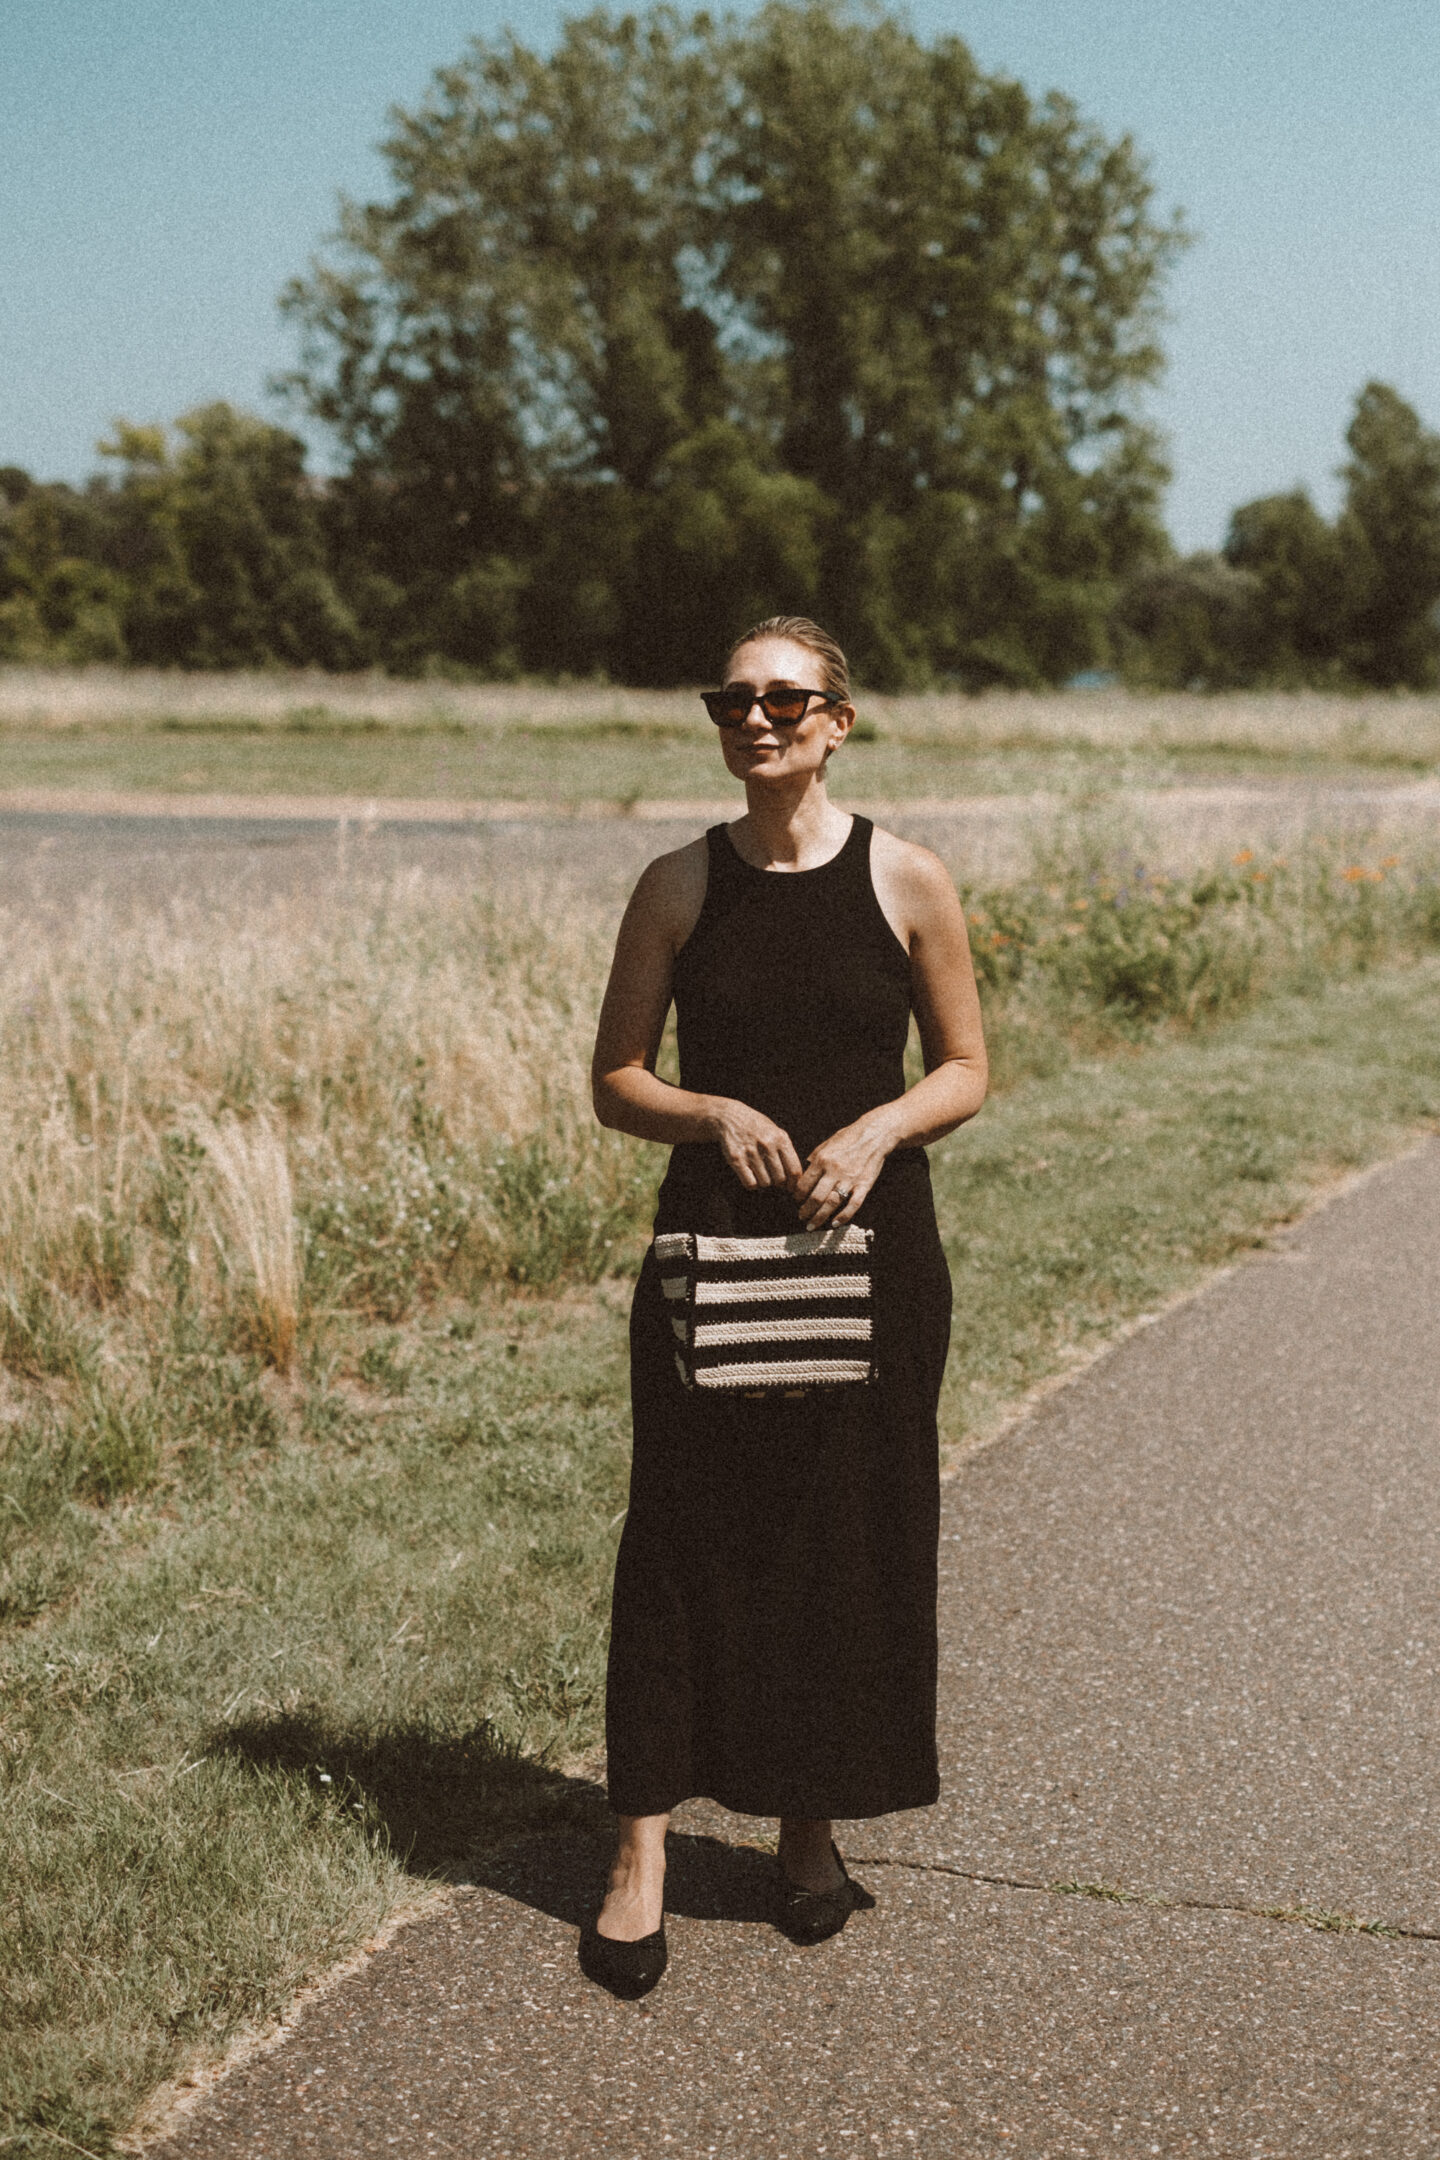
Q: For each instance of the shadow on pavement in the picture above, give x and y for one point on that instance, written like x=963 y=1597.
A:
x=467 y=1807
x=564 y=1877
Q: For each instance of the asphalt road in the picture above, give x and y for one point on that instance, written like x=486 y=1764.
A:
x=149 y=849
x=1191 y=1698
x=48 y=860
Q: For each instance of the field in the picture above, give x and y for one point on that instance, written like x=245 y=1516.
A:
x=313 y=1276
x=316 y=735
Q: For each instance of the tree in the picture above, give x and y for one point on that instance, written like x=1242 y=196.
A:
x=1391 y=527
x=960 y=287
x=227 y=556
x=725 y=539
x=1304 y=577
x=1189 y=624
x=842 y=272
x=516 y=323
x=60 y=596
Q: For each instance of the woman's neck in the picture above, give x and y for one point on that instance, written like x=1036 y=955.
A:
x=789 y=827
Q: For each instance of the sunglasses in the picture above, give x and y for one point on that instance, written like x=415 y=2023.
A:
x=782 y=707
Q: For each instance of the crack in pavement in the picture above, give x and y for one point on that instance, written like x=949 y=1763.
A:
x=1314 y=1917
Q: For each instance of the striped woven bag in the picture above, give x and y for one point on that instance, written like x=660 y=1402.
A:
x=766 y=1315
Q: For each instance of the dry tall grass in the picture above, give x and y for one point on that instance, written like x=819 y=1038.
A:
x=253 y=1174
x=1299 y=724
x=415 y=1057
x=363 y=1098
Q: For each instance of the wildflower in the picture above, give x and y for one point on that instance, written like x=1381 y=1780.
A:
x=1080 y=906
x=1245 y=855
x=1354 y=874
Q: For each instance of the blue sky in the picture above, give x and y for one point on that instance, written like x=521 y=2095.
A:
x=169 y=163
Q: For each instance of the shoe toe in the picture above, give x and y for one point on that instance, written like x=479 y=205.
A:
x=626 y=1969
x=813 y=1916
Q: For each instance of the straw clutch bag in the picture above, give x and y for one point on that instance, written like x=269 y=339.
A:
x=770 y=1315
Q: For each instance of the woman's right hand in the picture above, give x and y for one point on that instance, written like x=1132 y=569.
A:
x=760 y=1152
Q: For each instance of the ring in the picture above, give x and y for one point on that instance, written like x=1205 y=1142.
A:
x=845 y=1192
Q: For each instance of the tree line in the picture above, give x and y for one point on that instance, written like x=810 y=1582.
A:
x=693 y=321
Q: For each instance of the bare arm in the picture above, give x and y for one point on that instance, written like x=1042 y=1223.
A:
x=919 y=900
x=628 y=1094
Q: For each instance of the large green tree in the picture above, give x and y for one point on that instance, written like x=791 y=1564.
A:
x=694 y=317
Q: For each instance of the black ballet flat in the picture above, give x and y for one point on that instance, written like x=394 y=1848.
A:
x=626 y=1969
x=813 y=1916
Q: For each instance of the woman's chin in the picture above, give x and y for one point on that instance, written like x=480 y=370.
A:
x=763 y=765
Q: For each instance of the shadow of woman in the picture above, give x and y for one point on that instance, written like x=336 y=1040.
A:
x=467 y=1807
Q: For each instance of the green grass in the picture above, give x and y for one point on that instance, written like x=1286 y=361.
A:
x=620 y=758
x=358 y=1642
x=283 y=1691
x=299 y=733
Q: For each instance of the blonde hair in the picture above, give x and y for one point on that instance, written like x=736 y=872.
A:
x=834 y=668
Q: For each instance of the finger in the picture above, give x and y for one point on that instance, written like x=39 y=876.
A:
x=744 y=1172
x=764 y=1171
x=774 y=1154
x=844 y=1198
x=822 y=1202
x=794 y=1168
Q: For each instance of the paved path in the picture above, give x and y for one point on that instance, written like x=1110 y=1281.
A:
x=1191 y=1617
x=57 y=842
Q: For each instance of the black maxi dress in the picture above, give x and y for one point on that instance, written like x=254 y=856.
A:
x=773 y=1644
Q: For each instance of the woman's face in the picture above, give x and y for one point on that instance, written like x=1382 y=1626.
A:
x=761 y=749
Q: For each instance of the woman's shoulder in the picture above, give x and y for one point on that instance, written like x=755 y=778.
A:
x=916 y=870
x=915 y=891
x=671 y=891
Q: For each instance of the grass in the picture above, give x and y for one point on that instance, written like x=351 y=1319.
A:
x=306 y=1517
x=315 y=735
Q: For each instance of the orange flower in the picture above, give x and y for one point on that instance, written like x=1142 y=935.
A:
x=1355 y=875
x=1245 y=855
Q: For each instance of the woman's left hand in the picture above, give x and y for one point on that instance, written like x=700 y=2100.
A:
x=840 y=1172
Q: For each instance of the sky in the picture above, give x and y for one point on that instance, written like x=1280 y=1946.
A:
x=170 y=163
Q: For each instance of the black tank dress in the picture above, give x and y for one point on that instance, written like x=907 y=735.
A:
x=773 y=1639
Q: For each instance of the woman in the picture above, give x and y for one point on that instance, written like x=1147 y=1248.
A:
x=773 y=1643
